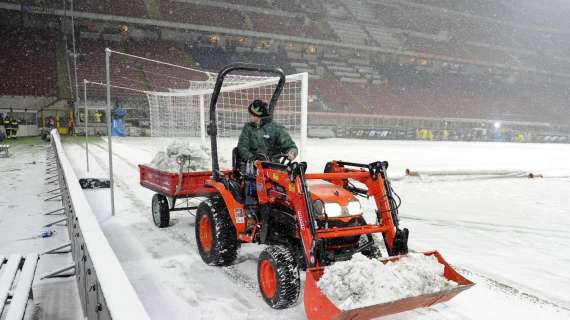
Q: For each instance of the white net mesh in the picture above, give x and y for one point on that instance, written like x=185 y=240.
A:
x=185 y=113
x=174 y=116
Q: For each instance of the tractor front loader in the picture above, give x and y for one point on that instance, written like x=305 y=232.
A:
x=309 y=221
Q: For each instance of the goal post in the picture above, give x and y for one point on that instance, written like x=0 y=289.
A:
x=184 y=113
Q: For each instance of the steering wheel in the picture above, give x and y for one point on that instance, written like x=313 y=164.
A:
x=283 y=158
x=258 y=156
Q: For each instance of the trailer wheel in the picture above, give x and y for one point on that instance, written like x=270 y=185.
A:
x=160 y=211
x=216 y=236
x=278 y=277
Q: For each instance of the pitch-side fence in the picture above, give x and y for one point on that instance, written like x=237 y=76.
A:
x=104 y=289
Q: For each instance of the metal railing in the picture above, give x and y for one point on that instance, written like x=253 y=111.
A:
x=104 y=289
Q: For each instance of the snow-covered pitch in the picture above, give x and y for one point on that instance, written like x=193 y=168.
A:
x=506 y=233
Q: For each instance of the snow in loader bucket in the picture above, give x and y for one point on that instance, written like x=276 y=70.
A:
x=318 y=306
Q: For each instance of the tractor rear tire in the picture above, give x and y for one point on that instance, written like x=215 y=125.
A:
x=160 y=211
x=278 y=277
x=216 y=235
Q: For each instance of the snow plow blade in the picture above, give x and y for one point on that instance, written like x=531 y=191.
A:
x=319 y=307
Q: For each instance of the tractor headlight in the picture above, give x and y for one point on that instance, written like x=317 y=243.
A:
x=333 y=209
x=354 y=208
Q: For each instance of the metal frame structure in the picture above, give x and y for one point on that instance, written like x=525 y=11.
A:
x=104 y=290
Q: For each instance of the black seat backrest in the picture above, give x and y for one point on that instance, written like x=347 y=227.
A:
x=235 y=158
x=236 y=161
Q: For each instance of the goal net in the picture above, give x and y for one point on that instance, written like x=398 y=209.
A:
x=185 y=113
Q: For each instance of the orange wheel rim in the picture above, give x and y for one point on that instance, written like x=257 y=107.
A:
x=206 y=233
x=267 y=279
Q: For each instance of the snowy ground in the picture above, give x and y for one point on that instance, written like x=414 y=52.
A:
x=22 y=208
x=507 y=234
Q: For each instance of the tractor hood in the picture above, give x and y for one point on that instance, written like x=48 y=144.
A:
x=329 y=192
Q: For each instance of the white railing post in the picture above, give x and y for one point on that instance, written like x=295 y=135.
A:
x=304 y=112
x=85 y=121
x=109 y=129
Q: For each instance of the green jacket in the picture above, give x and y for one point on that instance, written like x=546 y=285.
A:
x=269 y=139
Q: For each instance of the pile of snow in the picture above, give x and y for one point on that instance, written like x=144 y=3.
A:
x=167 y=161
x=362 y=282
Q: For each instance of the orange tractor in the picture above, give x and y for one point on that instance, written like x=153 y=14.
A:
x=307 y=220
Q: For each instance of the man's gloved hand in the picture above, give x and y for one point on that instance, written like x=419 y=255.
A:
x=290 y=156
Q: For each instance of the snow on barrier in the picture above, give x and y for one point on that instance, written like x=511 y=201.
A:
x=104 y=289
x=21 y=285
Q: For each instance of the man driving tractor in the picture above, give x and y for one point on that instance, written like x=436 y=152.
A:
x=264 y=136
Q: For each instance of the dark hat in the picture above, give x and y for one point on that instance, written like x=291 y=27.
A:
x=258 y=108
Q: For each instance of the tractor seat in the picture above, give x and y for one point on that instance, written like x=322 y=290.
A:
x=235 y=188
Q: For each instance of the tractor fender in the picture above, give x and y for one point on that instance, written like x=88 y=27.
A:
x=236 y=210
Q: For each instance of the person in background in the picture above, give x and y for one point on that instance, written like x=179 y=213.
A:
x=71 y=126
x=97 y=115
x=15 y=124
x=118 y=124
x=445 y=135
x=119 y=111
x=50 y=123
x=2 y=129
x=8 y=126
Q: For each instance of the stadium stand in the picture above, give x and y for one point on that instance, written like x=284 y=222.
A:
x=297 y=26
x=349 y=32
x=252 y=3
x=359 y=10
x=434 y=103
x=134 y=8
x=271 y=5
x=159 y=76
x=91 y=66
x=385 y=38
x=426 y=40
x=201 y=14
x=335 y=10
x=203 y=55
x=28 y=63
x=410 y=19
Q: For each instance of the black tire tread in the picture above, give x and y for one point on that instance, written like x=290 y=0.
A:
x=287 y=274
x=373 y=252
x=164 y=211
x=225 y=243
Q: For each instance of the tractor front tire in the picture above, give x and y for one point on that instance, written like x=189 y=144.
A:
x=373 y=252
x=216 y=235
x=160 y=211
x=278 y=277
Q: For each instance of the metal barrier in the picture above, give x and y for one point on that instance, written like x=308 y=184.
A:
x=104 y=289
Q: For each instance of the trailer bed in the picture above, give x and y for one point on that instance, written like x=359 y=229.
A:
x=167 y=183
